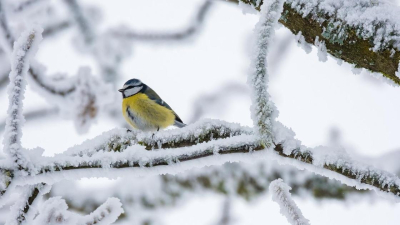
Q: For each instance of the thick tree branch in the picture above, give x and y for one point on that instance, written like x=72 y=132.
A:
x=343 y=40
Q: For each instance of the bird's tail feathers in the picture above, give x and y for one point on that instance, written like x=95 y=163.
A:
x=179 y=124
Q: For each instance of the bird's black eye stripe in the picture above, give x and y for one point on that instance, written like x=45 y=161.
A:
x=130 y=87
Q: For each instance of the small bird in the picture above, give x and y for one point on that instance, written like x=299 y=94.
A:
x=143 y=109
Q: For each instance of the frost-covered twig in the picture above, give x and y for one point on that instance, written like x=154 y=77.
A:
x=54 y=211
x=361 y=32
x=20 y=209
x=107 y=213
x=169 y=36
x=281 y=195
x=262 y=108
x=35 y=72
x=24 y=49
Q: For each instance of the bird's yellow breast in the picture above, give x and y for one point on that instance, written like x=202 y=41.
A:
x=145 y=114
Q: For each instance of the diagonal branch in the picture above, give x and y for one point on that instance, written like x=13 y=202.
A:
x=349 y=32
x=20 y=209
x=281 y=195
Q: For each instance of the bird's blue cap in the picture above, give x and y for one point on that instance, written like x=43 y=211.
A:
x=130 y=83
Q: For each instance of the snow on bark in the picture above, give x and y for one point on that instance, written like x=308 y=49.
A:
x=117 y=140
x=54 y=211
x=24 y=49
x=281 y=195
x=263 y=110
x=378 y=20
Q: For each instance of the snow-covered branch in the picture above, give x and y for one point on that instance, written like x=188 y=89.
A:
x=24 y=49
x=263 y=114
x=54 y=211
x=281 y=195
x=119 y=149
x=361 y=32
x=20 y=209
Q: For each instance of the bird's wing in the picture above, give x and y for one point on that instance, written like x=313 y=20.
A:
x=154 y=96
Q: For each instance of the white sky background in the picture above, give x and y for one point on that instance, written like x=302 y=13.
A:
x=313 y=98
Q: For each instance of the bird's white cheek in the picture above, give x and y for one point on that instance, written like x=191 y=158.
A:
x=132 y=91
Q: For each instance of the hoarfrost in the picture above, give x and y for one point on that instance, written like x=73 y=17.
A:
x=281 y=195
x=322 y=54
x=54 y=211
x=24 y=49
x=301 y=42
x=263 y=110
x=377 y=20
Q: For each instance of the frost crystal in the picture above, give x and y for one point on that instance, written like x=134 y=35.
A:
x=54 y=212
x=302 y=43
x=281 y=195
x=322 y=54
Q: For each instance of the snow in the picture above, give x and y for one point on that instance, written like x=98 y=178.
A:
x=54 y=211
x=24 y=50
x=376 y=20
x=106 y=214
x=301 y=42
x=322 y=54
x=281 y=195
x=263 y=111
x=100 y=150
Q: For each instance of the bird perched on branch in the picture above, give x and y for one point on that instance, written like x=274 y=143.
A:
x=143 y=109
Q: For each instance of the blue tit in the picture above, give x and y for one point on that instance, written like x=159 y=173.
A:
x=143 y=109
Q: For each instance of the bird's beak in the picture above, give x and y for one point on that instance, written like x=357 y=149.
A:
x=121 y=90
